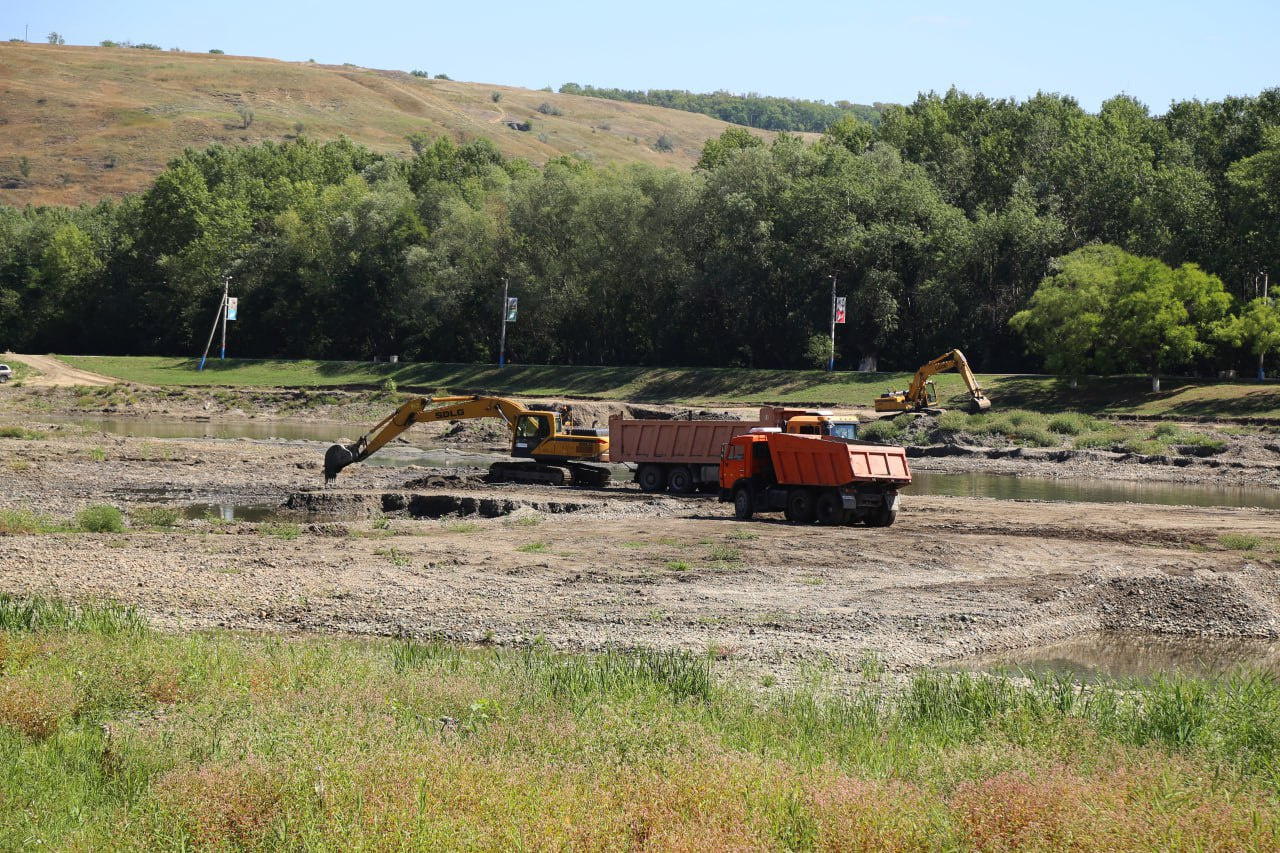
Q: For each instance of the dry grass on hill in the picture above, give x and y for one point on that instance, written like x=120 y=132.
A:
x=94 y=122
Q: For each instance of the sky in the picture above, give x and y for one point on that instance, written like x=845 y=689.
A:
x=864 y=52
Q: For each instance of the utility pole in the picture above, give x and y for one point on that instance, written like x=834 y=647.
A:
x=502 y=340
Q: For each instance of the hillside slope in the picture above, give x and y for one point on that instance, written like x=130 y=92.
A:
x=83 y=123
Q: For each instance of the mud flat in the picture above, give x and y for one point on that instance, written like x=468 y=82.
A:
x=441 y=553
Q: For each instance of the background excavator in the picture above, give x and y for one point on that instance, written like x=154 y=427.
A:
x=558 y=452
x=922 y=395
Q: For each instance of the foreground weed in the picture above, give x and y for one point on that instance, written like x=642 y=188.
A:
x=287 y=531
x=21 y=433
x=398 y=557
x=14 y=522
x=37 y=613
x=724 y=554
x=154 y=516
x=1245 y=542
x=677 y=565
x=534 y=548
x=100 y=518
x=461 y=526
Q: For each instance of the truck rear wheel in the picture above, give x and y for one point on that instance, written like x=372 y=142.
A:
x=651 y=478
x=882 y=516
x=829 y=509
x=743 y=505
x=679 y=480
x=800 y=506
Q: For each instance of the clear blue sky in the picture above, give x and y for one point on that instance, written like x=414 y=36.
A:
x=1158 y=52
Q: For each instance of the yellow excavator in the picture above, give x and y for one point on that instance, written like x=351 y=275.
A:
x=922 y=396
x=558 y=451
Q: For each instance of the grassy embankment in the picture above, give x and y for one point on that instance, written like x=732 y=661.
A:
x=113 y=736
x=1128 y=395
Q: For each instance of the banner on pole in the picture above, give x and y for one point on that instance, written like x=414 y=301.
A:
x=231 y=307
x=839 y=309
x=511 y=309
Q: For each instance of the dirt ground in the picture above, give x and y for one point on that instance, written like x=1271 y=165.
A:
x=440 y=553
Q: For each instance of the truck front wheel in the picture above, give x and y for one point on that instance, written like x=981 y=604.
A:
x=743 y=506
x=651 y=478
x=800 y=506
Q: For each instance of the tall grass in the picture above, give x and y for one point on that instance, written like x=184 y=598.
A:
x=139 y=740
x=38 y=613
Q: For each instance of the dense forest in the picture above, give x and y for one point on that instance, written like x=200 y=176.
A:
x=939 y=225
x=767 y=113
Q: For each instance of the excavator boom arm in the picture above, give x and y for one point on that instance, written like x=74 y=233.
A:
x=413 y=411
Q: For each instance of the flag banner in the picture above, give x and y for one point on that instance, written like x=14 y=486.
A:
x=511 y=309
x=231 y=307
x=839 y=309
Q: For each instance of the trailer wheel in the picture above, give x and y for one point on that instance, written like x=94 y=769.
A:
x=829 y=509
x=679 y=480
x=743 y=506
x=800 y=506
x=651 y=478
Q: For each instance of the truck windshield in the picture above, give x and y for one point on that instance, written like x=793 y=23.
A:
x=845 y=429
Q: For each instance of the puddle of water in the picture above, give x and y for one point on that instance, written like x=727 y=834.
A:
x=255 y=513
x=1136 y=656
x=1007 y=487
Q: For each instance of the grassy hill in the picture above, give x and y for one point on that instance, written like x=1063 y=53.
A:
x=1105 y=396
x=83 y=123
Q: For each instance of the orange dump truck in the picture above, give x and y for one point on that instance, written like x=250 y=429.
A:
x=813 y=478
x=684 y=455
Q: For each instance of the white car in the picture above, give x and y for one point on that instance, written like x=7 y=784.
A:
x=6 y=373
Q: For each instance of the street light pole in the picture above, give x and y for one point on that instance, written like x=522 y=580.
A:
x=831 y=362
x=502 y=340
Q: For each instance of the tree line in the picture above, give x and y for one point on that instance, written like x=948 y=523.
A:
x=939 y=225
x=795 y=115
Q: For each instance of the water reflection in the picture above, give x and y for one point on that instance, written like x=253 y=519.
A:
x=255 y=513
x=1007 y=487
x=1141 y=656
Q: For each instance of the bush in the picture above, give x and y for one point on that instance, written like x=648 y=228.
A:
x=1072 y=423
x=549 y=109
x=950 y=423
x=100 y=518
x=665 y=143
x=881 y=430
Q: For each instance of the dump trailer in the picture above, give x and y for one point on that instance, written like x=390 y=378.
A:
x=684 y=455
x=811 y=478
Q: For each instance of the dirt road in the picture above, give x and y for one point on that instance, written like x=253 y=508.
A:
x=55 y=373
x=416 y=552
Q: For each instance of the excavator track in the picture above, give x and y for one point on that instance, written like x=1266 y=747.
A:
x=540 y=473
x=529 y=472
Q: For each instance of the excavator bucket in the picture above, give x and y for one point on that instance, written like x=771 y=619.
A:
x=979 y=403
x=336 y=458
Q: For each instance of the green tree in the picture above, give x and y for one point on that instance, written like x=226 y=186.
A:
x=1256 y=328
x=1064 y=320
x=1115 y=311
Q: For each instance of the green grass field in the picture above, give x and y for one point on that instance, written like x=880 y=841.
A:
x=115 y=736
x=709 y=386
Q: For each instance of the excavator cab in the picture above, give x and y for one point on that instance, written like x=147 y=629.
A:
x=532 y=429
